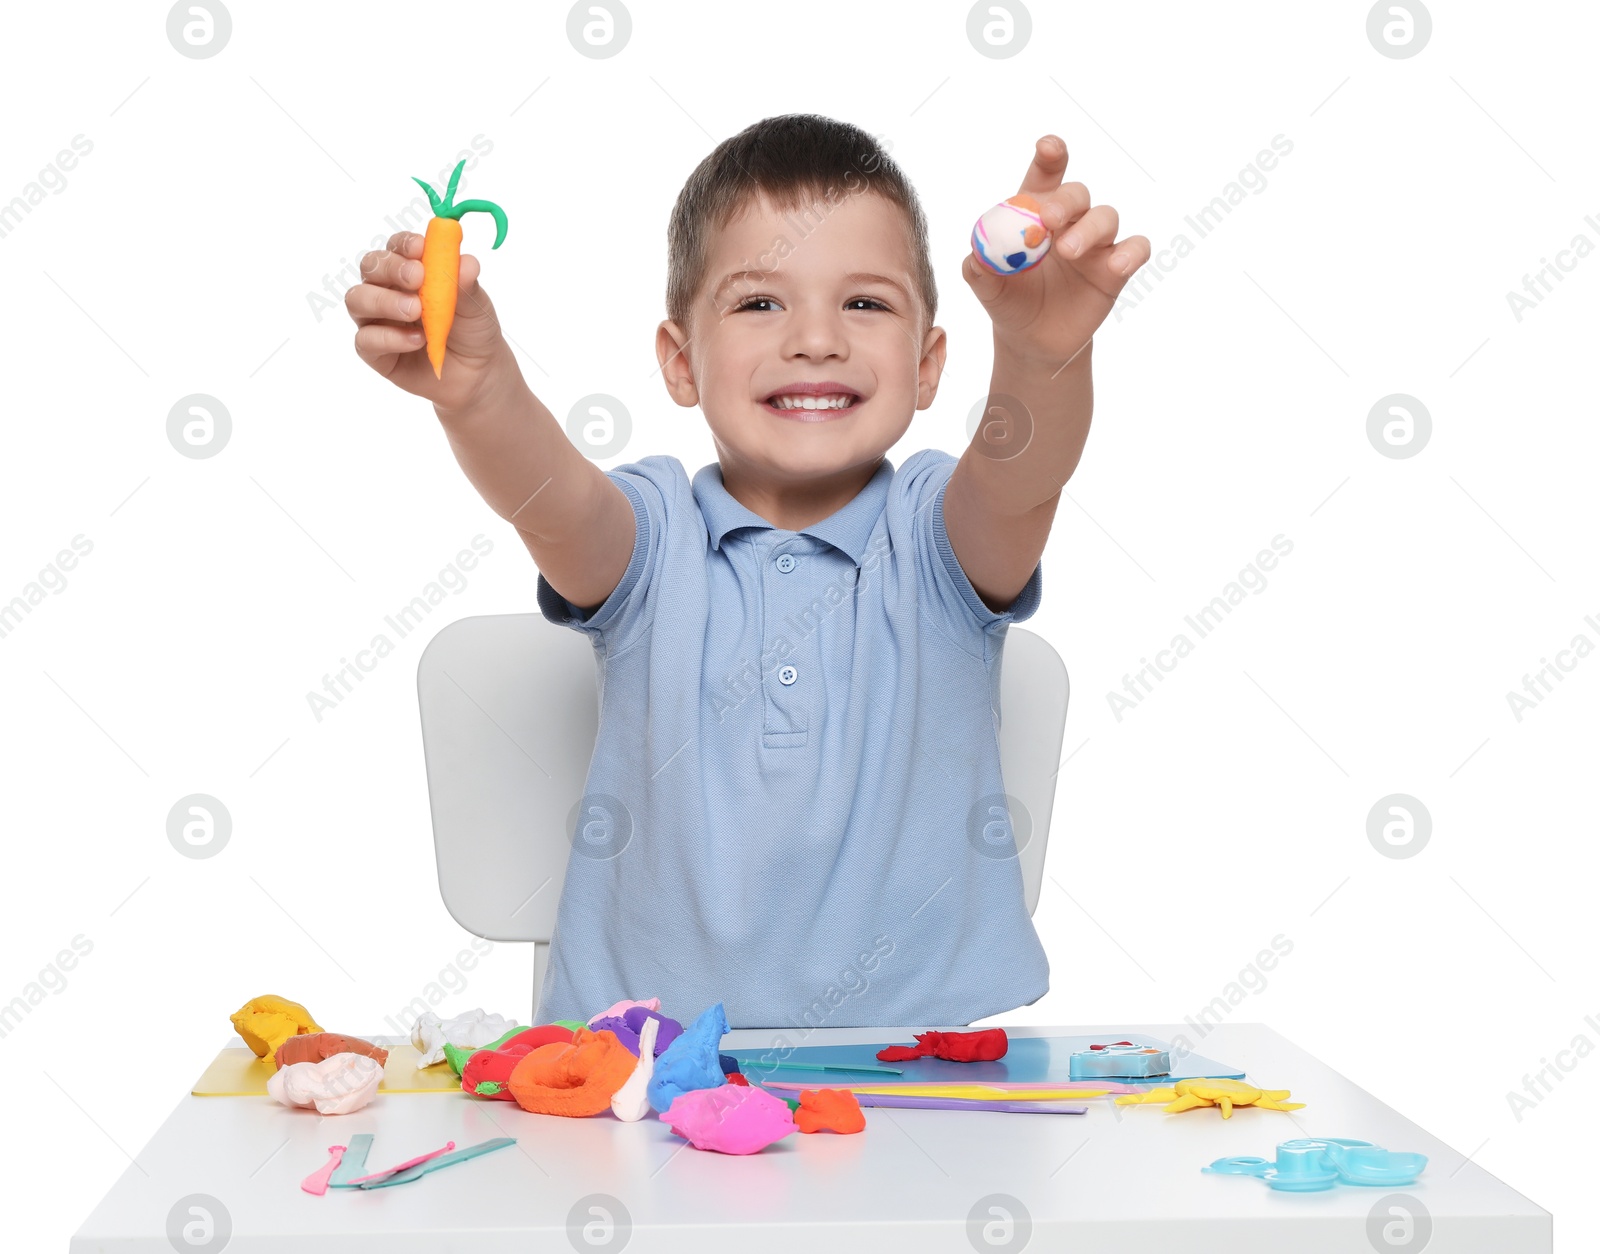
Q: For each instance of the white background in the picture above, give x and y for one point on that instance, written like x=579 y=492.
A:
x=1228 y=808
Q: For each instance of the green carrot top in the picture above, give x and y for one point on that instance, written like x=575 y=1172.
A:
x=447 y=208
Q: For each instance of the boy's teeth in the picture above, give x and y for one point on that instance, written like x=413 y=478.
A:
x=838 y=401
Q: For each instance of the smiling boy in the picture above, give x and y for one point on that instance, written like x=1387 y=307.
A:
x=795 y=804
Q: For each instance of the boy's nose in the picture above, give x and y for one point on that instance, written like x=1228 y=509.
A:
x=816 y=333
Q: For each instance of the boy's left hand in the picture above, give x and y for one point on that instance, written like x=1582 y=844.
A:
x=1051 y=310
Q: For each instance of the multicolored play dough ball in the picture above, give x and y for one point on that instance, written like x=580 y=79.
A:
x=1012 y=236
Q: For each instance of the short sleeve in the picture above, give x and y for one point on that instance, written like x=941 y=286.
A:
x=619 y=620
x=950 y=596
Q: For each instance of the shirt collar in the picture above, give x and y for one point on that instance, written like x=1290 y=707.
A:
x=848 y=529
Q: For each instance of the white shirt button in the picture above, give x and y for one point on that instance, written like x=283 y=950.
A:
x=787 y=675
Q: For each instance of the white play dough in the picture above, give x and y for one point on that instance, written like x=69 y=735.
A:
x=629 y=1103
x=472 y=1029
x=999 y=239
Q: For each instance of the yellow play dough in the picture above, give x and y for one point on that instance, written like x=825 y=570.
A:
x=1187 y=1094
x=267 y=1022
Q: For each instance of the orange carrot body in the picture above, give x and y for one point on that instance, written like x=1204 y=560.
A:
x=441 y=275
x=441 y=261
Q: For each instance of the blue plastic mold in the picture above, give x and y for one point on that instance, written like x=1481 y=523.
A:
x=1119 y=1062
x=1311 y=1164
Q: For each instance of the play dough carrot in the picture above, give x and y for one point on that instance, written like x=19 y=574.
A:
x=441 y=261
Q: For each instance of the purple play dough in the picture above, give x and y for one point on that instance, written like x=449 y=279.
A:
x=614 y=1023
x=669 y=1031
x=627 y=1026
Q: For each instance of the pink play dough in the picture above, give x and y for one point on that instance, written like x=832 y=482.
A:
x=338 y=1085
x=729 y=1118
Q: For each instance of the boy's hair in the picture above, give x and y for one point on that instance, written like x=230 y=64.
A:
x=799 y=161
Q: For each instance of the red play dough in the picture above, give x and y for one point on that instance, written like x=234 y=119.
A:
x=532 y=1038
x=985 y=1045
x=488 y=1071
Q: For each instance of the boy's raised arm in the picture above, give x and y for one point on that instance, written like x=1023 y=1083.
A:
x=577 y=523
x=1002 y=495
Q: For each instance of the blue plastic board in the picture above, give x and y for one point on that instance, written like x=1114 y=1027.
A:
x=1028 y=1058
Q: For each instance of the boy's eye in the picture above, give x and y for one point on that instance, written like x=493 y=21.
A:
x=751 y=301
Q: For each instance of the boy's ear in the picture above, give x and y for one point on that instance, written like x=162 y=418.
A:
x=931 y=366
x=675 y=372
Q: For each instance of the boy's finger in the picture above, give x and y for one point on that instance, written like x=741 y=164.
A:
x=390 y=269
x=1063 y=206
x=986 y=285
x=368 y=302
x=1096 y=227
x=1048 y=165
x=470 y=298
x=1126 y=257
x=378 y=340
x=406 y=243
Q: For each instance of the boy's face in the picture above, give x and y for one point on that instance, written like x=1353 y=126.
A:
x=819 y=296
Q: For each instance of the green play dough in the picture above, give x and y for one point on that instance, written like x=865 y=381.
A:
x=457 y=1057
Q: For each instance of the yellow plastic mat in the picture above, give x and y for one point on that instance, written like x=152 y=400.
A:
x=236 y=1072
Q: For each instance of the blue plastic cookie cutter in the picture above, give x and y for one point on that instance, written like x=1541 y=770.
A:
x=1311 y=1164
x=1122 y=1061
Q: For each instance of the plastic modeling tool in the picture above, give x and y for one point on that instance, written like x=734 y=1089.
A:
x=353 y=1162
x=912 y=1101
x=433 y=1162
x=410 y=1162
x=969 y=1092
x=317 y=1181
x=823 y=1066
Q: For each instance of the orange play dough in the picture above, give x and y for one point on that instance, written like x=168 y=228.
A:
x=829 y=1110
x=316 y=1046
x=579 y=1078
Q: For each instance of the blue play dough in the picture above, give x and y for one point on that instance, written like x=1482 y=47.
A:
x=691 y=1062
x=1016 y=260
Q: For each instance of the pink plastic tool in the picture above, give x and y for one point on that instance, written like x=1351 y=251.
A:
x=410 y=1162
x=317 y=1181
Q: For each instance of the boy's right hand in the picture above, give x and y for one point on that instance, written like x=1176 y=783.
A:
x=387 y=312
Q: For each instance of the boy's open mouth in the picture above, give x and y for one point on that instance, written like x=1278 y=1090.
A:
x=812 y=402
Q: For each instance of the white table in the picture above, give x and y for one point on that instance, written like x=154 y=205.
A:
x=1117 y=1180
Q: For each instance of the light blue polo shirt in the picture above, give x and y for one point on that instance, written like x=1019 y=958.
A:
x=790 y=807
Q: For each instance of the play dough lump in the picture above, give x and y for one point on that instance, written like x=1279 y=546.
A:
x=1011 y=237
